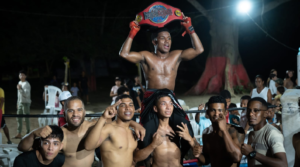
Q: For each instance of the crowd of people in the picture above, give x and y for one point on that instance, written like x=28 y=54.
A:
x=164 y=135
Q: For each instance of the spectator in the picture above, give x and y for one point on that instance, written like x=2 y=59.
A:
x=203 y=122
x=23 y=103
x=271 y=113
x=48 y=153
x=273 y=71
x=74 y=89
x=234 y=115
x=288 y=83
x=243 y=120
x=62 y=99
x=135 y=98
x=114 y=90
x=272 y=85
x=261 y=90
x=138 y=87
x=3 y=124
x=226 y=94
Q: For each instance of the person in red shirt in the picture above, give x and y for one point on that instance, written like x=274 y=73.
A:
x=62 y=98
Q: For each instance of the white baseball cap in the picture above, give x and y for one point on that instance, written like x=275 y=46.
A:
x=64 y=95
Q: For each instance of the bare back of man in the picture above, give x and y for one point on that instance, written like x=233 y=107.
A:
x=75 y=154
x=167 y=154
x=214 y=146
x=117 y=149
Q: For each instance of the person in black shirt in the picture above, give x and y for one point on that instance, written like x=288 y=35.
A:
x=84 y=87
x=47 y=153
x=138 y=87
x=128 y=83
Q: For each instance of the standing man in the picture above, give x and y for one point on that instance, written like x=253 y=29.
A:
x=138 y=87
x=75 y=131
x=23 y=103
x=265 y=143
x=3 y=124
x=221 y=141
x=84 y=87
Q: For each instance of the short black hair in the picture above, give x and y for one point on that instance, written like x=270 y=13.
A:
x=160 y=96
x=155 y=34
x=261 y=77
x=280 y=89
x=272 y=76
x=232 y=105
x=123 y=96
x=217 y=99
x=56 y=133
x=259 y=99
x=246 y=97
x=23 y=72
x=121 y=90
x=72 y=98
x=226 y=94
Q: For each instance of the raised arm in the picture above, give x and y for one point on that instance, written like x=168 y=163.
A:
x=96 y=136
x=230 y=140
x=197 y=48
x=27 y=141
x=134 y=57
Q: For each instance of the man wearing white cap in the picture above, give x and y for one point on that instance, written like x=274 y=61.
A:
x=62 y=98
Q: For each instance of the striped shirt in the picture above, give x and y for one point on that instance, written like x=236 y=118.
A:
x=267 y=141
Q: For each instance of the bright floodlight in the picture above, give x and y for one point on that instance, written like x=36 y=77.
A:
x=244 y=6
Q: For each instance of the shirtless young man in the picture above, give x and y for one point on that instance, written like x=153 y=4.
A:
x=288 y=83
x=265 y=142
x=116 y=140
x=75 y=131
x=296 y=144
x=167 y=153
x=160 y=67
x=221 y=141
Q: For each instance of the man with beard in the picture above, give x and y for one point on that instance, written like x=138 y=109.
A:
x=75 y=132
x=221 y=141
x=265 y=143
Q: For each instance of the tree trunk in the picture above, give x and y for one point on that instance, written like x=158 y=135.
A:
x=223 y=65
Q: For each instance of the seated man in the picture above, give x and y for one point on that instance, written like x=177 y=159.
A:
x=221 y=141
x=47 y=154
x=168 y=152
x=265 y=143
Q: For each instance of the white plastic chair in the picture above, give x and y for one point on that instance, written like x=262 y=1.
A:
x=51 y=92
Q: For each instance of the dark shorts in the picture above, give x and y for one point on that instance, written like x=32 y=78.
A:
x=85 y=91
x=3 y=123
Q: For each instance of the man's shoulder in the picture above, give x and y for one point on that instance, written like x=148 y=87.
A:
x=26 y=155
x=233 y=128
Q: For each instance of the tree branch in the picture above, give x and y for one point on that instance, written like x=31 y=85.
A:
x=200 y=8
x=270 y=6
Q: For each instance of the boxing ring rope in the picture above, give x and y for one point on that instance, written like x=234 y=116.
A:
x=99 y=115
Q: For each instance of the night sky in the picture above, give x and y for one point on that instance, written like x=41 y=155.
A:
x=34 y=32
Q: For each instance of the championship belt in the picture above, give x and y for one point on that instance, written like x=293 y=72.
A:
x=158 y=14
